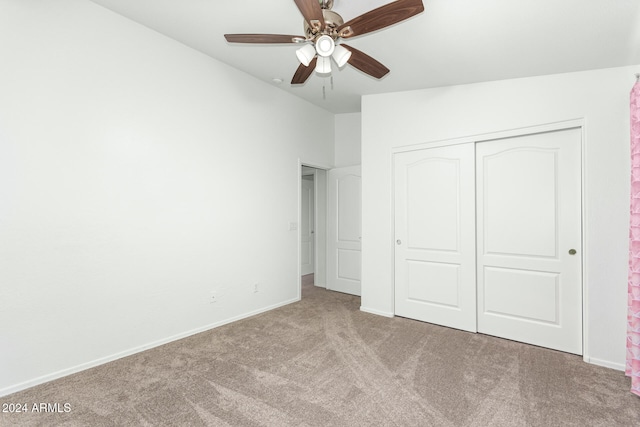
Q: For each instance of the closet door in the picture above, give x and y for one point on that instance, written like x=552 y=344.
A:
x=435 y=236
x=529 y=239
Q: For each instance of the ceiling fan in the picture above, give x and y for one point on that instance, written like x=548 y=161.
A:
x=324 y=30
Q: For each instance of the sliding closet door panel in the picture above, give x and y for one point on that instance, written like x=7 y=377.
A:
x=529 y=239
x=435 y=236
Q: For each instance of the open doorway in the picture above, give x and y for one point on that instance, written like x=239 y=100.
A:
x=313 y=226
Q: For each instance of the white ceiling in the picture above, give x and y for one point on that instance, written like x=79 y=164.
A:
x=451 y=42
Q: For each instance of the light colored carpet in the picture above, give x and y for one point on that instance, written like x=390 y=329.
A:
x=322 y=362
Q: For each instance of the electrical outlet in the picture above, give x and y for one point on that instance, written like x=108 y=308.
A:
x=255 y=288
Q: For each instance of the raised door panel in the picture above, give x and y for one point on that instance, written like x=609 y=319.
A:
x=433 y=283
x=348 y=261
x=522 y=294
x=349 y=196
x=520 y=202
x=433 y=182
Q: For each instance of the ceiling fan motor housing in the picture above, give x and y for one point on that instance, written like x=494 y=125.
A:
x=331 y=21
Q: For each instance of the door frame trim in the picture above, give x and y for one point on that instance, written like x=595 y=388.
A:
x=306 y=174
x=509 y=133
x=320 y=262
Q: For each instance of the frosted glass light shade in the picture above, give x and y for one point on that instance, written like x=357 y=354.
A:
x=305 y=54
x=325 y=46
x=323 y=66
x=341 y=55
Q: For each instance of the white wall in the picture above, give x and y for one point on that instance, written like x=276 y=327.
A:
x=138 y=178
x=348 y=138
x=599 y=97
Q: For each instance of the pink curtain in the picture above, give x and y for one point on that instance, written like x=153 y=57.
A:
x=633 y=315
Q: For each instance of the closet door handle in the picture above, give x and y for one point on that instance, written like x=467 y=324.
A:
x=399 y=241
x=572 y=251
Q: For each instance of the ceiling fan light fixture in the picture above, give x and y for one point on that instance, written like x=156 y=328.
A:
x=325 y=46
x=305 y=54
x=323 y=66
x=341 y=55
x=323 y=28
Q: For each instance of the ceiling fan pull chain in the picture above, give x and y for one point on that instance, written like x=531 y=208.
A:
x=324 y=92
x=332 y=82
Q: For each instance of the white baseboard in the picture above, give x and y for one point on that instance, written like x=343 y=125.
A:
x=605 y=363
x=378 y=312
x=101 y=361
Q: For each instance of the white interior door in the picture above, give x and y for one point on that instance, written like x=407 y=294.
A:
x=307 y=221
x=529 y=239
x=435 y=236
x=344 y=229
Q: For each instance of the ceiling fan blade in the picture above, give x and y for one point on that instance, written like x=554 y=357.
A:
x=381 y=17
x=261 y=38
x=365 y=63
x=303 y=73
x=311 y=11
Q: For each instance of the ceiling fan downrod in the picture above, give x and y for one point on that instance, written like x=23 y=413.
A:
x=326 y=4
